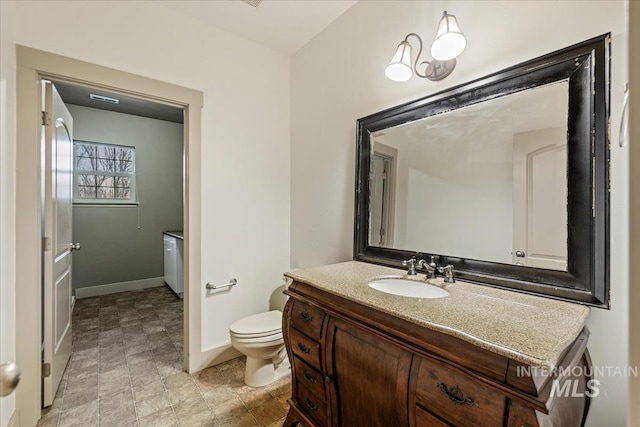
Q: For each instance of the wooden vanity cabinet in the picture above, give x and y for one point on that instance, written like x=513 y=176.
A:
x=355 y=366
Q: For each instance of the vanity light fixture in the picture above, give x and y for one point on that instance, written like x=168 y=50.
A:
x=448 y=44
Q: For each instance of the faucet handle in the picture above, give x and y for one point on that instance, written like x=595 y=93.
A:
x=448 y=273
x=411 y=263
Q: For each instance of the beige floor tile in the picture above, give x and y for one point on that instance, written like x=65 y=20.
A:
x=153 y=404
x=232 y=408
x=278 y=423
x=108 y=388
x=256 y=397
x=192 y=405
x=284 y=401
x=244 y=420
x=145 y=391
x=280 y=387
x=50 y=418
x=83 y=415
x=113 y=363
x=119 y=417
x=269 y=413
x=77 y=398
x=127 y=370
x=163 y=418
x=139 y=357
x=121 y=373
x=200 y=419
x=166 y=369
x=186 y=392
x=217 y=395
x=82 y=384
x=177 y=380
x=116 y=400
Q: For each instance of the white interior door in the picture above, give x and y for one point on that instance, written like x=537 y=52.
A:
x=58 y=171
x=540 y=198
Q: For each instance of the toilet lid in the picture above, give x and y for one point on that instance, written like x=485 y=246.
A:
x=258 y=325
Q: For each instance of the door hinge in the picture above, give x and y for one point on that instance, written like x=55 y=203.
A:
x=46 y=118
x=46 y=245
x=46 y=370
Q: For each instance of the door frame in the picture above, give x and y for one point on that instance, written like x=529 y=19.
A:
x=32 y=66
x=391 y=154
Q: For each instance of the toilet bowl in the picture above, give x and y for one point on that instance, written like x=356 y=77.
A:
x=259 y=337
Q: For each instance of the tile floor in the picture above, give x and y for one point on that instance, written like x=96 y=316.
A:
x=126 y=369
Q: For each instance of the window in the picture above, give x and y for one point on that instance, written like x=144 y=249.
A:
x=104 y=174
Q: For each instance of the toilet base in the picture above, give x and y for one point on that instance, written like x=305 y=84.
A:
x=262 y=372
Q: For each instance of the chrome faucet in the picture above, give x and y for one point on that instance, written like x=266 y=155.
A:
x=430 y=267
x=448 y=273
x=412 y=265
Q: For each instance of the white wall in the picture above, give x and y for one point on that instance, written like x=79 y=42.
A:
x=7 y=197
x=339 y=77
x=245 y=131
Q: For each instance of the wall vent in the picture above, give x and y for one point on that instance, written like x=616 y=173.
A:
x=252 y=3
x=104 y=98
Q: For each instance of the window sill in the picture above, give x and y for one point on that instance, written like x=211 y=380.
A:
x=105 y=205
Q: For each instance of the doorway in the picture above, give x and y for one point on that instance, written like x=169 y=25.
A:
x=120 y=172
x=34 y=66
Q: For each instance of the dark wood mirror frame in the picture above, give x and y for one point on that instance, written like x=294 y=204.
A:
x=586 y=66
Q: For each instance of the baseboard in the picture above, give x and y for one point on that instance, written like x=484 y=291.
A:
x=112 y=288
x=73 y=302
x=215 y=356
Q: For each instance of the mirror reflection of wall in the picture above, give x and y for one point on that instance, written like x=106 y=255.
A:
x=484 y=182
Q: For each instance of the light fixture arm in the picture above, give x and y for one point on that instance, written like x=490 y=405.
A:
x=436 y=70
x=415 y=65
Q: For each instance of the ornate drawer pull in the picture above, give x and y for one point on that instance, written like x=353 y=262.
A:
x=306 y=316
x=311 y=405
x=309 y=377
x=456 y=396
x=303 y=348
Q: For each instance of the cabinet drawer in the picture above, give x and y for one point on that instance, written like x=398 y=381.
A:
x=307 y=319
x=305 y=348
x=314 y=407
x=309 y=377
x=425 y=419
x=456 y=397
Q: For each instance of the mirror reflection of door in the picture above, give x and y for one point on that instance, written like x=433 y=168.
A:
x=540 y=198
x=382 y=203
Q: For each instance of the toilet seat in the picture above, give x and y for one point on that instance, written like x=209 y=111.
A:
x=262 y=325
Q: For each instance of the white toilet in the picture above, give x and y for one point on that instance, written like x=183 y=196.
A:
x=259 y=337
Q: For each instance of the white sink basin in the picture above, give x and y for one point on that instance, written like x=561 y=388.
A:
x=408 y=288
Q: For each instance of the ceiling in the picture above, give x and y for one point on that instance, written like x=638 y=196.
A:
x=79 y=95
x=282 y=25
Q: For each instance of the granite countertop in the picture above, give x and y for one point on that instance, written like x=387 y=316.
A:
x=530 y=329
x=176 y=234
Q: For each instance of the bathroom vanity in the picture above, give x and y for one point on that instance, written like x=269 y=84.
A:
x=477 y=357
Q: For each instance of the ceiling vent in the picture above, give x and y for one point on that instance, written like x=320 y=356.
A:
x=104 y=98
x=252 y=3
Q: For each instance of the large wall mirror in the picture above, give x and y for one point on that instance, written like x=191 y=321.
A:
x=505 y=178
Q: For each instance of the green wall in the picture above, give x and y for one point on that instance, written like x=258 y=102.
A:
x=114 y=249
